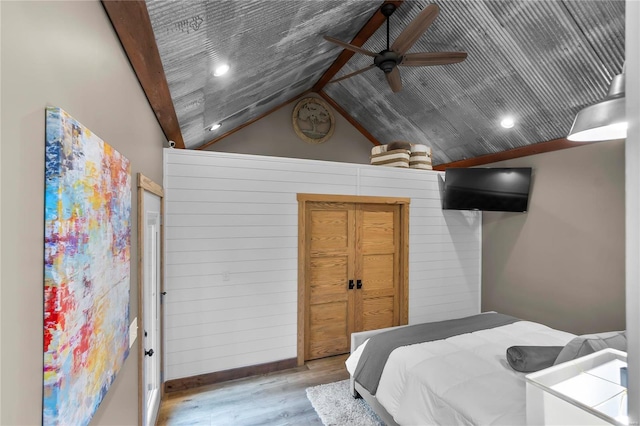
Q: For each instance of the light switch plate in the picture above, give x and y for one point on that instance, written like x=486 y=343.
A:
x=133 y=331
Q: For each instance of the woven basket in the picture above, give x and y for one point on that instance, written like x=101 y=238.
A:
x=394 y=158
x=420 y=157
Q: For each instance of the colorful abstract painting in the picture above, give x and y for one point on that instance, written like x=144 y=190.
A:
x=87 y=269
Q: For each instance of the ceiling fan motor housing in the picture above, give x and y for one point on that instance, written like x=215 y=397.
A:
x=387 y=9
x=387 y=60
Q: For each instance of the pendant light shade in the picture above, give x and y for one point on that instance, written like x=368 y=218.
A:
x=605 y=120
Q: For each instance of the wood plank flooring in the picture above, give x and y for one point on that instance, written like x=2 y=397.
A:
x=271 y=399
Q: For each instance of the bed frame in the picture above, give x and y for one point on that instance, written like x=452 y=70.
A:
x=357 y=391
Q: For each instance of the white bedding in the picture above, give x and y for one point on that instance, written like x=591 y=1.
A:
x=462 y=380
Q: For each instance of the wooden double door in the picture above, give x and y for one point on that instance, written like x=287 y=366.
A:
x=354 y=269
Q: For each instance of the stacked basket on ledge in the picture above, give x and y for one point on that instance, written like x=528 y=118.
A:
x=402 y=154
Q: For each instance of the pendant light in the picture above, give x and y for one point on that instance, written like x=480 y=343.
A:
x=605 y=120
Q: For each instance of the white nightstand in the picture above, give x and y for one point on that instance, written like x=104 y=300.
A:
x=585 y=391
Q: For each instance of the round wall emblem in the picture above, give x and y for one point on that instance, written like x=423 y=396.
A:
x=313 y=120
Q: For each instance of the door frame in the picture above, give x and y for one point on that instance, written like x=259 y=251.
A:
x=303 y=199
x=146 y=184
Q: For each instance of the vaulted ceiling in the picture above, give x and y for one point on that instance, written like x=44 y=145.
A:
x=539 y=61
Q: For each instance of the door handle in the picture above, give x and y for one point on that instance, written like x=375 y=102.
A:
x=149 y=352
x=350 y=284
x=359 y=284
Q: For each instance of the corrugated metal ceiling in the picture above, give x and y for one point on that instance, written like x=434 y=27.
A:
x=540 y=61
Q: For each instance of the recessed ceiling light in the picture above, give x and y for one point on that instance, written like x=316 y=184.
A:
x=215 y=126
x=507 y=122
x=221 y=70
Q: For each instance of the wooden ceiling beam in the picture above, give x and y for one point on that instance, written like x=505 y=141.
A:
x=131 y=21
x=359 y=40
x=523 y=151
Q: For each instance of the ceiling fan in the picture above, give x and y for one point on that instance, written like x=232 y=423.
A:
x=389 y=59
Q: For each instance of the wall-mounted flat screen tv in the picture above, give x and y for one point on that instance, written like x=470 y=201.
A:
x=487 y=189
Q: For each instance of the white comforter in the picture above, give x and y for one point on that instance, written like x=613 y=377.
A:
x=462 y=380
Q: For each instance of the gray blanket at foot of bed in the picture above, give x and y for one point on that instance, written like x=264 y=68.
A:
x=380 y=346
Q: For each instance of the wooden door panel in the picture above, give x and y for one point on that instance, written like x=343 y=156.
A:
x=328 y=278
x=378 y=313
x=379 y=272
x=328 y=329
x=377 y=230
x=329 y=230
x=378 y=263
x=330 y=265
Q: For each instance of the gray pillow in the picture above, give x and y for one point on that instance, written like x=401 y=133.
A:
x=528 y=359
x=590 y=343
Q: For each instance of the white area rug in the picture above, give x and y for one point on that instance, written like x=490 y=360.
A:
x=336 y=407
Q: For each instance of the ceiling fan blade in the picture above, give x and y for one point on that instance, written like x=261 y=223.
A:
x=432 y=58
x=350 y=47
x=393 y=78
x=415 y=29
x=344 y=77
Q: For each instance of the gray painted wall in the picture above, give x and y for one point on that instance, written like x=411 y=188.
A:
x=63 y=54
x=274 y=135
x=563 y=262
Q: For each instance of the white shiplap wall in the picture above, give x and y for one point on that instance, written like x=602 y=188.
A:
x=231 y=252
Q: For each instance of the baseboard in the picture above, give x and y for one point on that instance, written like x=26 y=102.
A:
x=226 y=375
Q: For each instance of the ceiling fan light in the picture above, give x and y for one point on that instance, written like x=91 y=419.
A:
x=387 y=66
x=220 y=70
x=605 y=120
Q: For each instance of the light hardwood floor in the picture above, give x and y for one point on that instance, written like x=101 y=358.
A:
x=271 y=399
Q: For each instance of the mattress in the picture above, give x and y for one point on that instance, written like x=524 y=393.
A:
x=462 y=380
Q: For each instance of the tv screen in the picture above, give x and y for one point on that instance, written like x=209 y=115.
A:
x=488 y=189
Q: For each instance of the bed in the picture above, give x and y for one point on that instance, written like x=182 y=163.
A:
x=463 y=379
